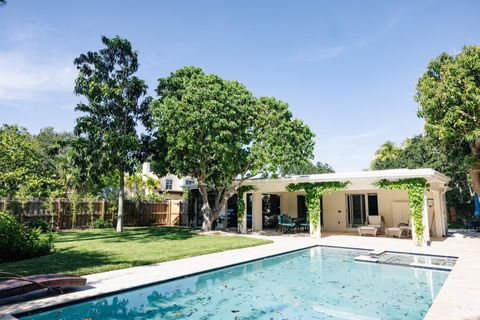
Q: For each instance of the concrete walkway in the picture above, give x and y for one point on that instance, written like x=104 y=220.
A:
x=459 y=297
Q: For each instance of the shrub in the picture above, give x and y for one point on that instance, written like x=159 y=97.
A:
x=102 y=224
x=18 y=242
x=41 y=224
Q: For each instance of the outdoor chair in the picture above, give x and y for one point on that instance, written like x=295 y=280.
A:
x=469 y=224
x=303 y=223
x=285 y=223
x=377 y=221
x=368 y=230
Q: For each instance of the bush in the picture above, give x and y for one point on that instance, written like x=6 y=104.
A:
x=41 y=224
x=102 y=224
x=18 y=242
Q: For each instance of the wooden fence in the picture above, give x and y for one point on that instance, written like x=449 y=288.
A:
x=67 y=215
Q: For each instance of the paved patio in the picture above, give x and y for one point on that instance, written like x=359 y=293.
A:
x=458 y=299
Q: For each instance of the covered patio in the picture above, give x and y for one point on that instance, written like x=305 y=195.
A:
x=344 y=210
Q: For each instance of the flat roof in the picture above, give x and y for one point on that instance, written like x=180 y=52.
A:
x=393 y=174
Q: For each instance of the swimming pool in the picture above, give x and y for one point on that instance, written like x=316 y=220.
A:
x=315 y=283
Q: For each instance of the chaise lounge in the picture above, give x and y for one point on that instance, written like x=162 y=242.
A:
x=16 y=284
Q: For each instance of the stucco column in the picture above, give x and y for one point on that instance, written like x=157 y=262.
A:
x=242 y=225
x=315 y=232
x=426 y=229
x=257 y=211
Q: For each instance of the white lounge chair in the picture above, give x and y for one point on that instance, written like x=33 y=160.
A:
x=368 y=230
x=377 y=221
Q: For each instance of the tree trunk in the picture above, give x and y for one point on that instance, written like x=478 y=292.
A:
x=453 y=213
x=475 y=168
x=211 y=214
x=121 y=193
x=475 y=175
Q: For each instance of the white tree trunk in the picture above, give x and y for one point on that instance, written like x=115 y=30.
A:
x=121 y=193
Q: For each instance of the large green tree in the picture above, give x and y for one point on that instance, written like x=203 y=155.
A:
x=24 y=165
x=449 y=97
x=308 y=167
x=217 y=132
x=426 y=152
x=108 y=142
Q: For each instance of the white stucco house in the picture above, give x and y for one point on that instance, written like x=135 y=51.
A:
x=345 y=210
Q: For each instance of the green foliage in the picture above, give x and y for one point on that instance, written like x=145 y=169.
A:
x=216 y=131
x=313 y=192
x=143 y=187
x=91 y=199
x=107 y=138
x=74 y=202
x=23 y=165
x=449 y=94
x=416 y=187
x=101 y=223
x=308 y=167
x=40 y=224
x=18 y=242
x=426 y=152
x=241 y=203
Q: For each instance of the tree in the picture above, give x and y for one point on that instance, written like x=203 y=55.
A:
x=24 y=167
x=217 y=132
x=108 y=141
x=426 y=152
x=449 y=97
x=385 y=156
x=3 y=3
x=308 y=167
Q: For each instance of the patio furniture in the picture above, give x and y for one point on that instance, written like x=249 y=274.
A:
x=396 y=232
x=303 y=223
x=16 y=284
x=471 y=224
x=377 y=221
x=368 y=230
x=285 y=223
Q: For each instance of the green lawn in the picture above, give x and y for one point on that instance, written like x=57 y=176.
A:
x=92 y=251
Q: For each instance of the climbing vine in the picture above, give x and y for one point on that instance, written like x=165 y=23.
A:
x=416 y=188
x=313 y=192
x=240 y=203
x=74 y=202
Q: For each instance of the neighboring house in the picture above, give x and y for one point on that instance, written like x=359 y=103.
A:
x=170 y=183
x=344 y=210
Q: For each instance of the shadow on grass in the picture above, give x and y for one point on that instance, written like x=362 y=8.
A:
x=146 y=234
x=67 y=260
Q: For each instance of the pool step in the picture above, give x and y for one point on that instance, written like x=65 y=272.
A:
x=364 y=258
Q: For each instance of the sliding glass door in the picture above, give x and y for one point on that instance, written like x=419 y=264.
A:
x=356 y=213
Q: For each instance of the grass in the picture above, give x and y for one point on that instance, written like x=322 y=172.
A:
x=92 y=251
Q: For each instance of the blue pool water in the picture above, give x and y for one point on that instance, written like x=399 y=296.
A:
x=316 y=283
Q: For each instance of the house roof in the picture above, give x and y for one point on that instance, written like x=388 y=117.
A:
x=364 y=178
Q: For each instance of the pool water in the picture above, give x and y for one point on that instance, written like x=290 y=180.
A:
x=316 y=283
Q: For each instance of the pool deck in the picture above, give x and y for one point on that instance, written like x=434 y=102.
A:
x=459 y=297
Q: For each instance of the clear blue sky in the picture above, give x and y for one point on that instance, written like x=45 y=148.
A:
x=347 y=68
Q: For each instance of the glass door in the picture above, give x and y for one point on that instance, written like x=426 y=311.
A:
x=356 y=214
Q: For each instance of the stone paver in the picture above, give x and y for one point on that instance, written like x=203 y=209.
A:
x=459 y=297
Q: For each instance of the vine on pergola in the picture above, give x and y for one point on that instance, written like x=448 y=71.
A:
x=416 y=187
x=313 y=192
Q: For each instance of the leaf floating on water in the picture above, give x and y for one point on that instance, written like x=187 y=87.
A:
x=235 y=311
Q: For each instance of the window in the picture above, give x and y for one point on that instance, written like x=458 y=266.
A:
x=168 y=184
x=189 y=182
x=372 y=204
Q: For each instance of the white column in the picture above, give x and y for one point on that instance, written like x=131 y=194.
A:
x=316 y=232
x=242 y=225
x=257 y=211
x=426 y=229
